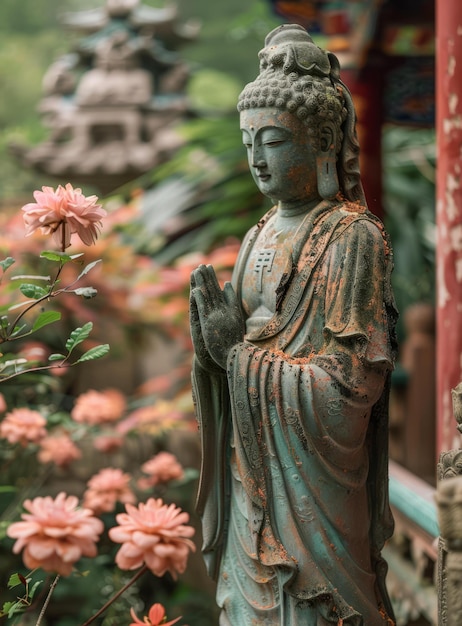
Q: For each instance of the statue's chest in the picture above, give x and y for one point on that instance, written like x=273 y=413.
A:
x=265 y=266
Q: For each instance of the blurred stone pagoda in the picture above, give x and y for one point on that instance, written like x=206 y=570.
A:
x=113 y=103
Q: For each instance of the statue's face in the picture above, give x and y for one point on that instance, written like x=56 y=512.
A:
x=281 y=154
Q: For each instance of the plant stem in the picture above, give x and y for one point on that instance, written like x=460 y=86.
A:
x=47 y=600
x=132 y=580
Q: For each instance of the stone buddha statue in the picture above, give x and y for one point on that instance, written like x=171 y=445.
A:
x=292 y=366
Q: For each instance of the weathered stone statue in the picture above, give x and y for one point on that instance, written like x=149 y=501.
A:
x=292 y=364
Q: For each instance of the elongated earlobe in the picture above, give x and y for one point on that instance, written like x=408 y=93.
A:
x=328 y=186
x=326 y=162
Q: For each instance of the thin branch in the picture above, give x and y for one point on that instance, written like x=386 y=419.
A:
x=47 y=600
x=132 y=580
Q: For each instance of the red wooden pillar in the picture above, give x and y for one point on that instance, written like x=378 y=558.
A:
x=366 y=86
x=448 y=215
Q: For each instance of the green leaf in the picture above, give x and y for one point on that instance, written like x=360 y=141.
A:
x=14 y=581
x=52 y=255
x=45 y=318
x=7 y=606
x=14 y=363
x=86 y=292
x=78 y=335
x=33 y=291
x=56 y=357
x=7 y=488
x=6 y=263
x=89 y=267
x=16 y=607
x=34 y=588
x=17 y=331
x=95 y=353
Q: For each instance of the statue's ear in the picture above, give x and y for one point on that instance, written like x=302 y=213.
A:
x=327 y=137
x=326 y=161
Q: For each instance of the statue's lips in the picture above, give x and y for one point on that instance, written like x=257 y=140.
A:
x=264 y=177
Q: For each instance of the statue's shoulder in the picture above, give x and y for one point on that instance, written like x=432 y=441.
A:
x=358 y=217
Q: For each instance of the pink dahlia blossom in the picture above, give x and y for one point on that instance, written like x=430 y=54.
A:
x=55 y=534
x=63 y=212
x=58 y=449
x=155 y=534
x=162 y=468
x=23 y=426
x=155 y=617
x=99 y=407
x=106 y=488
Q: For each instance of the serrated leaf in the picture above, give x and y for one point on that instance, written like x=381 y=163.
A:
x=6 y=263
x=94 y=353
x=45 y=318
x=14 y=581
x=78 y=335
x=52 y=255
x=87 y=268
x=7 y=606
x=56 y=357
x=33 y=291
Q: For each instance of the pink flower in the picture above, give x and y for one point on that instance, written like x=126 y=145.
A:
x=155 y=534
x=63 y=212
x=23 y=426
x=162 y=468
x=58 y=449
x=106 y=488
x=99 y=407
x=156 y=617
x=108 y=443
x=55 y=534
x=3 y=406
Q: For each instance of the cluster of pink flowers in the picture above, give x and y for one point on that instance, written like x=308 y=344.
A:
x=58 y=449
x=23 y=426
x=99 y=407
x=161 y=469
x=106 y=488
x=63 y=212
x=55 y=533
x=155 y=534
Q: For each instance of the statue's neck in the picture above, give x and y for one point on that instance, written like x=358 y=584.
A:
x=300 y=207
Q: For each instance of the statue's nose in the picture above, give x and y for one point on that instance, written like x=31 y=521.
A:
x=259 y=163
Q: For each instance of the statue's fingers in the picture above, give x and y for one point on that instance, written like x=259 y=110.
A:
x=202 y=302
x=230 y=295
x=212 y=278
x=193 y=312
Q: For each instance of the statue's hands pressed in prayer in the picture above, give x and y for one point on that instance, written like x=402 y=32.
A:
x=217 y=323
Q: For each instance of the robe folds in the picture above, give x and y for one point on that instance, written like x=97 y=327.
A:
x=294 y=481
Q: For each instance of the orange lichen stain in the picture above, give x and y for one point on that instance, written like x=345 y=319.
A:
x=384 y=614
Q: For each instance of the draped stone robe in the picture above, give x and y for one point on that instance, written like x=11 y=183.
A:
x=294 y=482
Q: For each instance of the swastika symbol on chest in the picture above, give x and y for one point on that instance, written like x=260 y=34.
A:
x=263 y=262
